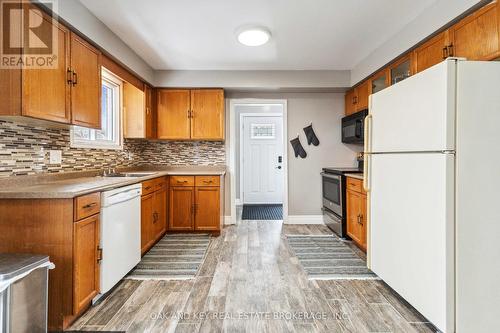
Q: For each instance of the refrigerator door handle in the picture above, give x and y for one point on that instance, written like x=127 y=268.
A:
x=367 y=152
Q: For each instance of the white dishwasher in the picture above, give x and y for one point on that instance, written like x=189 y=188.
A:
x=120 y=233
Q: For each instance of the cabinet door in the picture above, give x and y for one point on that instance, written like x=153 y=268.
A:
x=46 y=92
x=86 y=84
x=207 y=208
x=350 y=102
x=379 y=81
x=134 y=112
x=353 y=213
x=363 y=226
x=401 y=69
x=159 y=214
x=150 y=118
x=173 y=112
x=146 y=222
x=207 y=114
x=476 y=37
x=86 y=265
x=362 y=93
x=181 y=208
x=431 y=52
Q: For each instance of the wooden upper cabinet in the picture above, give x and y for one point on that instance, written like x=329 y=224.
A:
x=173 y=112
x=350 y=102
x=401 y=69
x=380 y=81
x=207 y=114
x=431 y=52
x=86 y=256
x=134 y=112
x=46 y=92
x=150 y=113
x=477 y=37
x=362 y=93
x=207 y=208
x=356 y=99
x=86 y=83
x=184 y=114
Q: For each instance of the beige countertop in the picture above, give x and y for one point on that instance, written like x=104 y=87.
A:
x=70 y=186
x=355 y=175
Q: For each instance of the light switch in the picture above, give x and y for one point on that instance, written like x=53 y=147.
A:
x=55 y=156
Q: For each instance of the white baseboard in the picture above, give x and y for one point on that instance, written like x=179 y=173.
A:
x=305 y=219
x=228 y=220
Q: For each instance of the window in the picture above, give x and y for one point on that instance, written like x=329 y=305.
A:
x=109 y=136
x=263 y=131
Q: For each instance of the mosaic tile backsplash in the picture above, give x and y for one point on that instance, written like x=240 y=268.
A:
x=24 y=151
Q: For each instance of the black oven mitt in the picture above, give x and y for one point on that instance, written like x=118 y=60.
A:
x=311 y=136
x=297 y=148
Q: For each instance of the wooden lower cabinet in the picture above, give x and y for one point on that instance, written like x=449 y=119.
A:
x=356 y=212
x=159 y=213
x=181 y=208
x=207 y=208
x=67 y=230
x=146 y=222
x=195 y=208
x=153 y=212
x=86 y=262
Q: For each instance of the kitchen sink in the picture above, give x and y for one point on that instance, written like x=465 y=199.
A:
x=128 y=174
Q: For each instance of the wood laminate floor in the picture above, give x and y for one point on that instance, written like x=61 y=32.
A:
x=251 y=282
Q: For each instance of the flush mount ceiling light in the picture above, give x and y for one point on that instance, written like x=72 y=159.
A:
x=254 y=36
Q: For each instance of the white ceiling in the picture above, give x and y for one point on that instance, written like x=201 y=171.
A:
x=307 y=34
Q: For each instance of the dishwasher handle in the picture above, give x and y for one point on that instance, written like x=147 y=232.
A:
x=121 y=197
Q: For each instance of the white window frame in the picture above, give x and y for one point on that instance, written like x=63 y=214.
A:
x=117 y=85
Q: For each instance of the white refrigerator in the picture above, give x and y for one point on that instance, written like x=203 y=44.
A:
x=432 y=172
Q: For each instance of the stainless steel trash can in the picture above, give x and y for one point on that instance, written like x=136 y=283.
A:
x=23 y=292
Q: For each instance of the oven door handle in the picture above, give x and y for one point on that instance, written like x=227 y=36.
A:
x=327 y=175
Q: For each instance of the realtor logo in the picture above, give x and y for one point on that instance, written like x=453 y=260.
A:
x=28 y=36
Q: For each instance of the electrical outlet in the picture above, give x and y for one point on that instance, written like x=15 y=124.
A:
x=55 y=156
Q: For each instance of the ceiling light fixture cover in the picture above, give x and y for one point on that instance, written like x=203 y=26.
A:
x=254 y=36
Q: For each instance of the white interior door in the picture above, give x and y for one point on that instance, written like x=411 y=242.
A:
x=262 y=159
x=411 y=230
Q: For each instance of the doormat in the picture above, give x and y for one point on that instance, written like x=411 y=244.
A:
x=262 y=212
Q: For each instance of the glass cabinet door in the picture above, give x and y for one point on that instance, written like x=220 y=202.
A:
x=379 y=82
x=401 y=70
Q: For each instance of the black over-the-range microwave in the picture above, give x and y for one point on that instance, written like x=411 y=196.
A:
x=353 y=127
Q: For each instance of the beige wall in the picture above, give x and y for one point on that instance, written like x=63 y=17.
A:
x=325 y=111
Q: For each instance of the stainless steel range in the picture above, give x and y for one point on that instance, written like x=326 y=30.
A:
x=334 y=198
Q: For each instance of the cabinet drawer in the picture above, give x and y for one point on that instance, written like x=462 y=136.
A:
x=207 y=181
x=148 y=186
x=87 y=205
x=181 y=180
x=355 y=184
x=160 y=183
